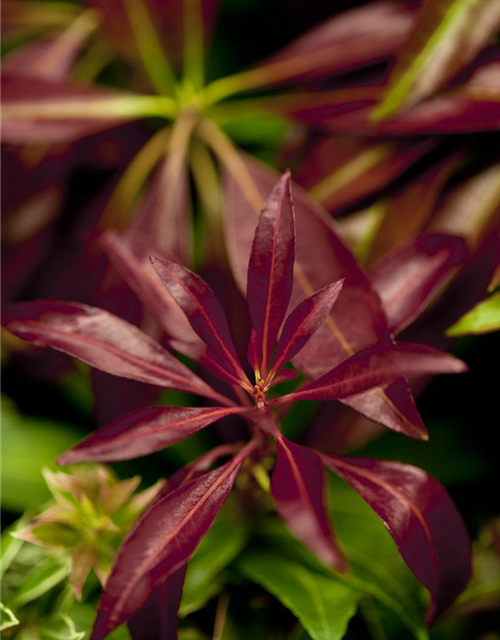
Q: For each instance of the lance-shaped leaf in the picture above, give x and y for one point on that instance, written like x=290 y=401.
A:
x=447 y=35
x=356 y=320
x=130 y=257
x=270 y=268
x=158 y=617
x=377 y=366
x=408 y=278
x=303 y=322
x=161 y=542
x=482 y=318
x=421 y=518
x=297 y=486
x=144 y=431
x=102 y=340
x=340 y=171
x=204 y=312
x=352 y=39
x=38 y=110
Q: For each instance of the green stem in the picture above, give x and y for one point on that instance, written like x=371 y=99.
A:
x=150 y=49
x=194 y=72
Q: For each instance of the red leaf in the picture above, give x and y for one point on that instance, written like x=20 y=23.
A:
x=144 y=431
x=421 y=518
x=161 y=542
x=356 y=321
x=104 y=341
x=130 y=257
x=36 y=96
x=297 y=487
x=303 y=322
x=204 y=312
x=270 y=268
x=352 y=39
x=158 y=617
x=377 y=366
x=408 y=278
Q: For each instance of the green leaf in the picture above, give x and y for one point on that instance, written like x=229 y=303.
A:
x=10 y=546
x=7 y=618
x=28 y=445
x=322 y=603
x=42 y=578
x=59 y=627
x=224 y=542
x=482 y=318
x=83 y=616
x=447 y=36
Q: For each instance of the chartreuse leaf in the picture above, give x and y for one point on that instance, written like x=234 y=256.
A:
x=42 y=578
x=59 y=627
x=322 y=603
x=7 y=618
x=83 y=616
x=202 y=578
x=483 y=318
x=28 y=445
x=9 y=546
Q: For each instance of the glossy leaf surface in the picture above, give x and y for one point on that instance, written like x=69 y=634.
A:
x=102 y=340
x=203 y=311
x=270 y=268
x=378 y=366
x=143 y=432
x=297 y=486
x=421 y=518
x=161 y=542
x=322 y=604
x=303 y=322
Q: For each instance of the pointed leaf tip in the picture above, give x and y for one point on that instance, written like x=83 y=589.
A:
x=270 y=268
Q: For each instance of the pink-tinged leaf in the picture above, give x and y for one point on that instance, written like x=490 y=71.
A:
x=161 y=542
x=421 y=518
x=144 y=431
x=303 y=322
x=447 y=35
x=357 y=319
x=254 y=351
x=204 y=312
x=297 y=486
x=102 y=340
x=408 y=278
x=377 y=366
x=270 y=268
x=339 y=171
x=158 y=617
x=355 y=38
x=36 y=110
x=39 y=59
x=129 y=254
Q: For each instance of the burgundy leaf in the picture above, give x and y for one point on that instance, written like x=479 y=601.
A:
x=357 y=319
x=33 y=110
x=339 y=171
x=446 y=37
x=377 y=366
x=362 y=36
x=297 y=487
x=102 y=340
x=161 y=542
x=130 y=256
x=408 y=278
x=204 y=312
x=421 y=518
x=144 y=431
x=157 y=619
x=303 y=322
x=270 y=268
